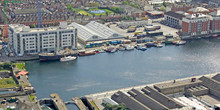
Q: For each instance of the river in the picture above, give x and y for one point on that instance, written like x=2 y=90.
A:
x=107 y=71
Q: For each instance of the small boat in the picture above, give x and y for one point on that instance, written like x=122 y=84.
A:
x=68 y=58
x=129 y=47
x=143 y=48
x=101 y=51
x=150 y=44
x=109 y=49
x=181 y=43
x=113 y=50
x=121 y=48
x=159 y=45
x=84 y=53
x=214 y=36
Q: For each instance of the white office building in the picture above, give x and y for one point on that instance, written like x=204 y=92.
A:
x=23 y=39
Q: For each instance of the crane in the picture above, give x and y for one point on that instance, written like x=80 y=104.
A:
x=39 y=13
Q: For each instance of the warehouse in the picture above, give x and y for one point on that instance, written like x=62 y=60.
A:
x=105 y=32
x=85 y=34
x=95 y=31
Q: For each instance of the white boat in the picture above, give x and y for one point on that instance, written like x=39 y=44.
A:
x=129 y=47
x=159 y=45
x=181 y=43
x=68 y=58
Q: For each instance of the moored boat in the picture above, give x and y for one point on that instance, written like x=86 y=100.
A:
x=68 y=58
x=86 y=53
x=53 y=56
x=129 y=47
x=181 y=43
x=214 y=36
x=159 y=45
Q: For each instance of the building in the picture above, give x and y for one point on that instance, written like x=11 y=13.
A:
x=131 y=11
x=215 y=21
x=174 y=18
x=214 y=2
x=155 y=14
x=85 y=34
x=196 y=24
x=198 y=10
x=24 y=40
x=94 y=31
x=105 y=32
x=141 y=23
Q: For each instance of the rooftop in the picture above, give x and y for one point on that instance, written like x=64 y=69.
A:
x=22 y=28
x=175 y=15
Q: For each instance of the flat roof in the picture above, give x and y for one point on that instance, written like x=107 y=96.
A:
x=22 y=28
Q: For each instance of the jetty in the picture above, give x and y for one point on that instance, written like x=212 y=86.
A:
x=58 y=102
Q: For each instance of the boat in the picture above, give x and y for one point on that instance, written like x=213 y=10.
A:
x=121 y=48
x=111 y=50
x=143 y=48
x=129 y=47
x=87 y=53
x=150 y=44
x=68 y=58
x=100 y=51
x=214 y=36
x=159 y=45
x=54 y=56
x=181 y=43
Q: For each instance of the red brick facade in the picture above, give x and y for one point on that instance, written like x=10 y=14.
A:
x=185 y=27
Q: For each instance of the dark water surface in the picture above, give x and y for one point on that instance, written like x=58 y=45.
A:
x=107 y=71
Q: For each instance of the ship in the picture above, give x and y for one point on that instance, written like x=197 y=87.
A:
x=53 y=56
x=56 y=56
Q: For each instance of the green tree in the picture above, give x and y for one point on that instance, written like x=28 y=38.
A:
x=125 y=2
x=124 y=18
x=131 y=18
x=163 y=8
x=52 y=24
x=33 y=26
x=164 y=4
x=118 y=10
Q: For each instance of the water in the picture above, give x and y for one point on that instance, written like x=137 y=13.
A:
x=109 y=71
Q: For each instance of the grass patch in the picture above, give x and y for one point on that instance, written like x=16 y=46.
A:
x=20 y=66
x=7 y=83
x=98 y=14
x=84 y=13
x=4 y=70
x=32 y=98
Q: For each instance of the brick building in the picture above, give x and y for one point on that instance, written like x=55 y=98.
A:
x=196 y=24
x=215 y=21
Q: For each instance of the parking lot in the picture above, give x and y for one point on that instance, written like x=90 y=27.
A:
x=165 y=29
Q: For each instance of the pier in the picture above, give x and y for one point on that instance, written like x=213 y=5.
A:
x=78 y=102
x=58 y=102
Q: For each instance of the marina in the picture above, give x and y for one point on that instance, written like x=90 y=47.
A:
x=124 y=69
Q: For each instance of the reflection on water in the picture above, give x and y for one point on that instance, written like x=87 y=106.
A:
x=105 y=71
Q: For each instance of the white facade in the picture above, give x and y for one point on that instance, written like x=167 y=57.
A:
x=23 y=39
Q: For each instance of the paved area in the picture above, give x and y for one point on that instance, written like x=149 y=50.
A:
x=165 y=29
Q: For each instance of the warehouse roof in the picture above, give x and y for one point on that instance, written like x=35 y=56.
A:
x=103 y=31
x=175 y=15
x=85 y=33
